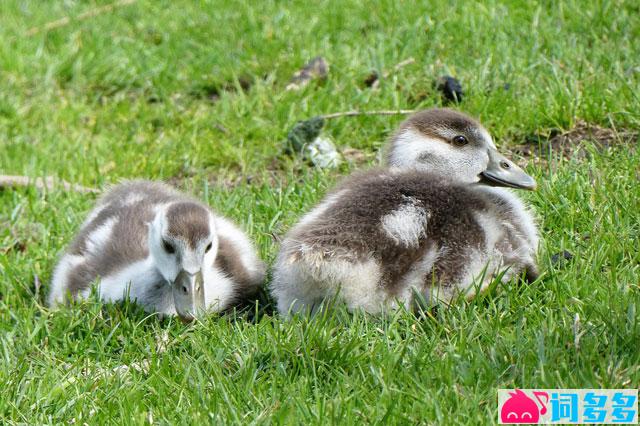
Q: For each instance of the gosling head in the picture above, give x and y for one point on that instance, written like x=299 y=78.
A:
x=182 y=242
x=452 y=145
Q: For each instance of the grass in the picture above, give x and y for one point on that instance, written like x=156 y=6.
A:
x=126 y=94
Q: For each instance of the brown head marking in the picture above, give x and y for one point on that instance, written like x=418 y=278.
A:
x=188 y=221
x=426 y=121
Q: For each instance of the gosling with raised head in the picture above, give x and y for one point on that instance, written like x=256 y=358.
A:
x=432 y=223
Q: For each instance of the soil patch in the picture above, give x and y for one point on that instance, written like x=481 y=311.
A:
x=571 y=143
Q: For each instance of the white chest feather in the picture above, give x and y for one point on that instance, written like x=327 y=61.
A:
x=133 y=281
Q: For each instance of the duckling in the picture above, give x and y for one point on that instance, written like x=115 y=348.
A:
x=154 y=245
x=437 y=221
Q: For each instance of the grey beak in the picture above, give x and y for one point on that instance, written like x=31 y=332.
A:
x=504 y=172
x=188 y=294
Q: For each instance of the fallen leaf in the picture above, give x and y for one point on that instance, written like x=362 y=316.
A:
x=317 y=68
x=303 y=133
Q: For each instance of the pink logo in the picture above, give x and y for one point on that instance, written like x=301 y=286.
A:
x=519 y=408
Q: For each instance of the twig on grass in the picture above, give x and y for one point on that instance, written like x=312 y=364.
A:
x=48 y=183
x=399 y=65
x=84 y=15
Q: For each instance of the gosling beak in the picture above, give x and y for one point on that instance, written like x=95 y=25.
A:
x=504 y=172
x=188 y=294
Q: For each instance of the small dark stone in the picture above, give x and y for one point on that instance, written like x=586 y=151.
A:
x=564 y=255
x=210 y=92
x=303 y=133
x=450 y=88
x=553 y=132
x=371 y=79
x=245 y=82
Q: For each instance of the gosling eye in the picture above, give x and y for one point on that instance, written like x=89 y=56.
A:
x=460 y=140
x=168 y=247
x=206 y=250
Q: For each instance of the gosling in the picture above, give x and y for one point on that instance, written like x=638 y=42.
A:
x=437 y=222
x=149 y=243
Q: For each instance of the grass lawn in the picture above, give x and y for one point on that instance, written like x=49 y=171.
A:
x=154 y=90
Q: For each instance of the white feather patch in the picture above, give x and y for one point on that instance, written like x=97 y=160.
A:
x=407 y=224
x=99 y=237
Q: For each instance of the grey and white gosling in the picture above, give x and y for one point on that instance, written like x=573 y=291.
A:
x=160 y=248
